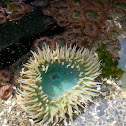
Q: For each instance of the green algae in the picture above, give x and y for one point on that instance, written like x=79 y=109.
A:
x=108 y=65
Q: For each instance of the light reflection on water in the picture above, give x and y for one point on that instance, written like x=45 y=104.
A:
x=122 y=60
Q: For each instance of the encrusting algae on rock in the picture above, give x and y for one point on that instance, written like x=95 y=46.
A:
x=54 y=84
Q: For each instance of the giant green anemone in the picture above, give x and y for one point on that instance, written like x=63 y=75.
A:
x=55 y=84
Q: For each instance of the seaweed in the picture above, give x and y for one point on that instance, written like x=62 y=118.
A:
x=108 y=65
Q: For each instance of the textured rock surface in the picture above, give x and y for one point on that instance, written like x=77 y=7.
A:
x=103 y=113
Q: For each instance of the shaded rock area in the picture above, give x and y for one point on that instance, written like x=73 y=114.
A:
x=32 y=24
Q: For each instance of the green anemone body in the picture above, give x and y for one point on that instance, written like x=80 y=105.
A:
x=55 y=83
x=57 y=79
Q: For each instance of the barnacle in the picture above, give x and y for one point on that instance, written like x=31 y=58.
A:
x=16 y=10
x=6 y=90
x=61 y=40
x=61 y=20
x=104 y=5
x=55 y=83
x=121 y=4
x=76 y=3
x=41 y=42
x=15 y=6
x=75 y=14
x=16 y=15
x=84 y=41
x=92 y=14
x=73 y=34
x=91 y=29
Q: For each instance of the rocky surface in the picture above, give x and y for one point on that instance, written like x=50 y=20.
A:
x=106 y=112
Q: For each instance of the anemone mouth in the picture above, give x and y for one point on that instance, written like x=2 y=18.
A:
x=55 y=82
x=58 y=78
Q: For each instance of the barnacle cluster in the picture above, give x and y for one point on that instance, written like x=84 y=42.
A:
x=13 y=11
x=95 y=20
x=56 y=83
x=78 y=14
